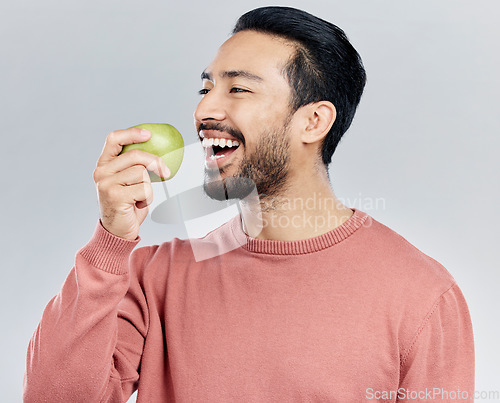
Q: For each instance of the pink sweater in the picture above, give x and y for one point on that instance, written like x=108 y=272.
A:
x=357 y=314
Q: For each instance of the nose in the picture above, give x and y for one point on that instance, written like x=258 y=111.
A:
x=211 y=107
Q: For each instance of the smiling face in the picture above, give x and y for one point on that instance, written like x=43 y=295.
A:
x=245 y=112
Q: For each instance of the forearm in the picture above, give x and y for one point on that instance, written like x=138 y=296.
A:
x=70 y=356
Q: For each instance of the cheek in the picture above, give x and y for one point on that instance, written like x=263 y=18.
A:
x=260 y=119
x=256 y=117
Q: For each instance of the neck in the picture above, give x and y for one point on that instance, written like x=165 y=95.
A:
x=300 y=212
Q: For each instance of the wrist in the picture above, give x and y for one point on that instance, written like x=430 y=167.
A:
x=107 y=251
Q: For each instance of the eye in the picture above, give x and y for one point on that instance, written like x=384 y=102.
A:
x=203 y=91
x=238 y=90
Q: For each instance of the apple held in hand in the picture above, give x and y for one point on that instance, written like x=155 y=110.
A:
x=165 y=142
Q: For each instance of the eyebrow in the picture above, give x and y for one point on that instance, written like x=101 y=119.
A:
x=232 y=74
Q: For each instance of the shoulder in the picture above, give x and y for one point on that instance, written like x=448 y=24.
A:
x=401 y=263
x=415 y=284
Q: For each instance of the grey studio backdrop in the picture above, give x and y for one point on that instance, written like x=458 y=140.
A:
x=420 y=156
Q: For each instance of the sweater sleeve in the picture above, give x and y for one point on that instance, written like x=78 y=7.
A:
x=88 y=344
x=439 y=363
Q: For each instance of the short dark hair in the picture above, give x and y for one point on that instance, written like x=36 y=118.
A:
x=325 y=66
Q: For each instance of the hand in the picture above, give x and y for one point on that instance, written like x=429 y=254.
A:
x=123 y=183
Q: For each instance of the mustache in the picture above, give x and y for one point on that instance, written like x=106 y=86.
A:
x=222 y=128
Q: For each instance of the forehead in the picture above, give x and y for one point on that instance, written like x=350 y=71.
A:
x=258 y=53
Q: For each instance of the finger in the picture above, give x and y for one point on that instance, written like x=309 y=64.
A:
x=127 y=188
x=118 y=138
x=133 y=175
x=137 y=157
x=142 y=194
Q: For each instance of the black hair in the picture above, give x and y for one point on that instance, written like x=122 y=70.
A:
x=324 y=67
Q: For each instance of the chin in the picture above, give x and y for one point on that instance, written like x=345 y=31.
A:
x=233 y=187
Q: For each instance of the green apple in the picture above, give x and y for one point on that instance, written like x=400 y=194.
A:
x=165 y=142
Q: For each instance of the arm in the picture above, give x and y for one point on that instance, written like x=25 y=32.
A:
x=441 y=357
x=84 y=348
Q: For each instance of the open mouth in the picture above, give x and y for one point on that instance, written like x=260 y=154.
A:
x=219 y=149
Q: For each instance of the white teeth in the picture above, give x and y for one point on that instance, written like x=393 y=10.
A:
x=221 y=142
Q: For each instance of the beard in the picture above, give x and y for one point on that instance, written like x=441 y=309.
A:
x=265 y=170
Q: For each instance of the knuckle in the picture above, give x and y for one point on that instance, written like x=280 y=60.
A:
x=155 y=163
x=112 y=193
x=134 y=153
x=103 y=186
x=111 y=135
x=112 y=138
x=97 y=174
x=138 y=171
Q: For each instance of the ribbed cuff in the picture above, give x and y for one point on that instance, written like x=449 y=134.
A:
x=108 y=252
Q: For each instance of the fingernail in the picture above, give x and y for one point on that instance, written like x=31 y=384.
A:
x=145 y=133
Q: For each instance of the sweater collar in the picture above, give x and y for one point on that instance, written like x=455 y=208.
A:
x=303 y=246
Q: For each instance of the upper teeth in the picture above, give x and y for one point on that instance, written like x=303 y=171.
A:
x=221 y=142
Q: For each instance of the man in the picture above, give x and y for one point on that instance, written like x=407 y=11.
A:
x=314 y=301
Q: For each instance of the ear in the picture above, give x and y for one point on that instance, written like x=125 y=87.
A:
x=318 y=119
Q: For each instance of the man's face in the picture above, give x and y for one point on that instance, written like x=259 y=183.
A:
x=246 y=100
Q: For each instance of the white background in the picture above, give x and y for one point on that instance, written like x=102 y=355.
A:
x=424 y=142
